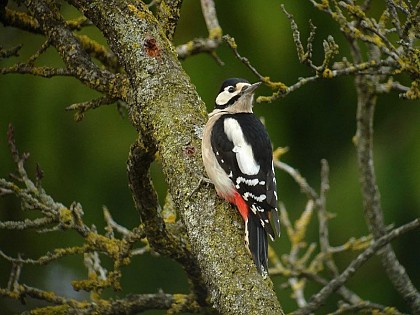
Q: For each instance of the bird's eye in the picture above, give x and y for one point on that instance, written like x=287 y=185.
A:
x=231 y=89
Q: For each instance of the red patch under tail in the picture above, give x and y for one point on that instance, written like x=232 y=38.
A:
x=241 y=205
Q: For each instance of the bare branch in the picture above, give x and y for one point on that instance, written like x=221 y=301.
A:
x=77 y=61
x=45 y=72
x=232 y=44
x=26 y=224
x=12 y=284
x=100 y=52
x=301 y=181
x=206 y=45
x=137 y=303
x=319 y=298
x=26 y=22
x=392 y=9
x=297 y=238
x=114 y=225
x=81 y=108
x=92 y=263
x=19 y=19
x=298 y=268
x=11 y=52
x=363 y=141
x=323 y=217
x=133 y=304
x=304 y=57
x=196 y=46
x=47 y=258
x=147 y=204
x=210 y=16
x=366 y=30
x=34 y=197
x=365 y=306
x=167 y=13
x=411 y=24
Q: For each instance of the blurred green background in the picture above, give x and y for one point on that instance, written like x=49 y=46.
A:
x=86 y=161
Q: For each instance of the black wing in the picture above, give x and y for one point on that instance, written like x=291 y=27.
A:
x=258 y=190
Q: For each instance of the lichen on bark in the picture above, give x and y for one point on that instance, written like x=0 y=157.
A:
x=165 y=106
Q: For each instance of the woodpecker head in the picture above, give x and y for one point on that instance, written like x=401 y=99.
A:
x=236 y=95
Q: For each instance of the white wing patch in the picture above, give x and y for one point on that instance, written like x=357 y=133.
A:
x=243 y=150
x=260 y=198
x=249 y=182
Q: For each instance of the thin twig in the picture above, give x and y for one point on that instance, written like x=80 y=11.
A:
x=51 y=22
x=205 y=45
x=299 y=179
x=363 y=140
x=45 y=72
x=210 y=16
x=320 y=298
x=26 y=224
x=232 y=44
x=13 y=282
x=196 y=46
x=10 y=52
x=114 y=225
x=39 y=52
x=323 y=218
x=364 y=307
x=81 y=108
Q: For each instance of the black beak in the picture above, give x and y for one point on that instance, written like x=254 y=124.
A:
x=249 y=89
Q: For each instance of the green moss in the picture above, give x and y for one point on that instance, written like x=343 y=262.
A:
x=231 y=42
x=137 y=12
x=66 y=216
x=60 y=252
x=414 y=92
x=100 y=242
x=90 y=285
x=51 y=310
x=327 y=73
x=21 y=18
x=356 y=10
x=267 y=99
x=280 y=86
x=391 y=310
x=178 y=301
x=216 y=33
x=324 y=5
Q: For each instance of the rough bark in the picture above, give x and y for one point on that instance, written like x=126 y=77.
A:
x=165 y=106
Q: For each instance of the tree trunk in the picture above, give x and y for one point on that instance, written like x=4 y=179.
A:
x=167 y=112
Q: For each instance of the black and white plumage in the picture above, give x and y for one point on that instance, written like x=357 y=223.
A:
x=237 y=156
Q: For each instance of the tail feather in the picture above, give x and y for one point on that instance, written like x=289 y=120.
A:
x=256 y=239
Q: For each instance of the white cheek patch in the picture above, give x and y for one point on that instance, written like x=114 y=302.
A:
x=225 y=96
x=243 y=150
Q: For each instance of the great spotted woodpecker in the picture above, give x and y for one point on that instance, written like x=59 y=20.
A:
x=237 y=156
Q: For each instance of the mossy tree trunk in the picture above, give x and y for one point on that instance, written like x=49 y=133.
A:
x=167 y=112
